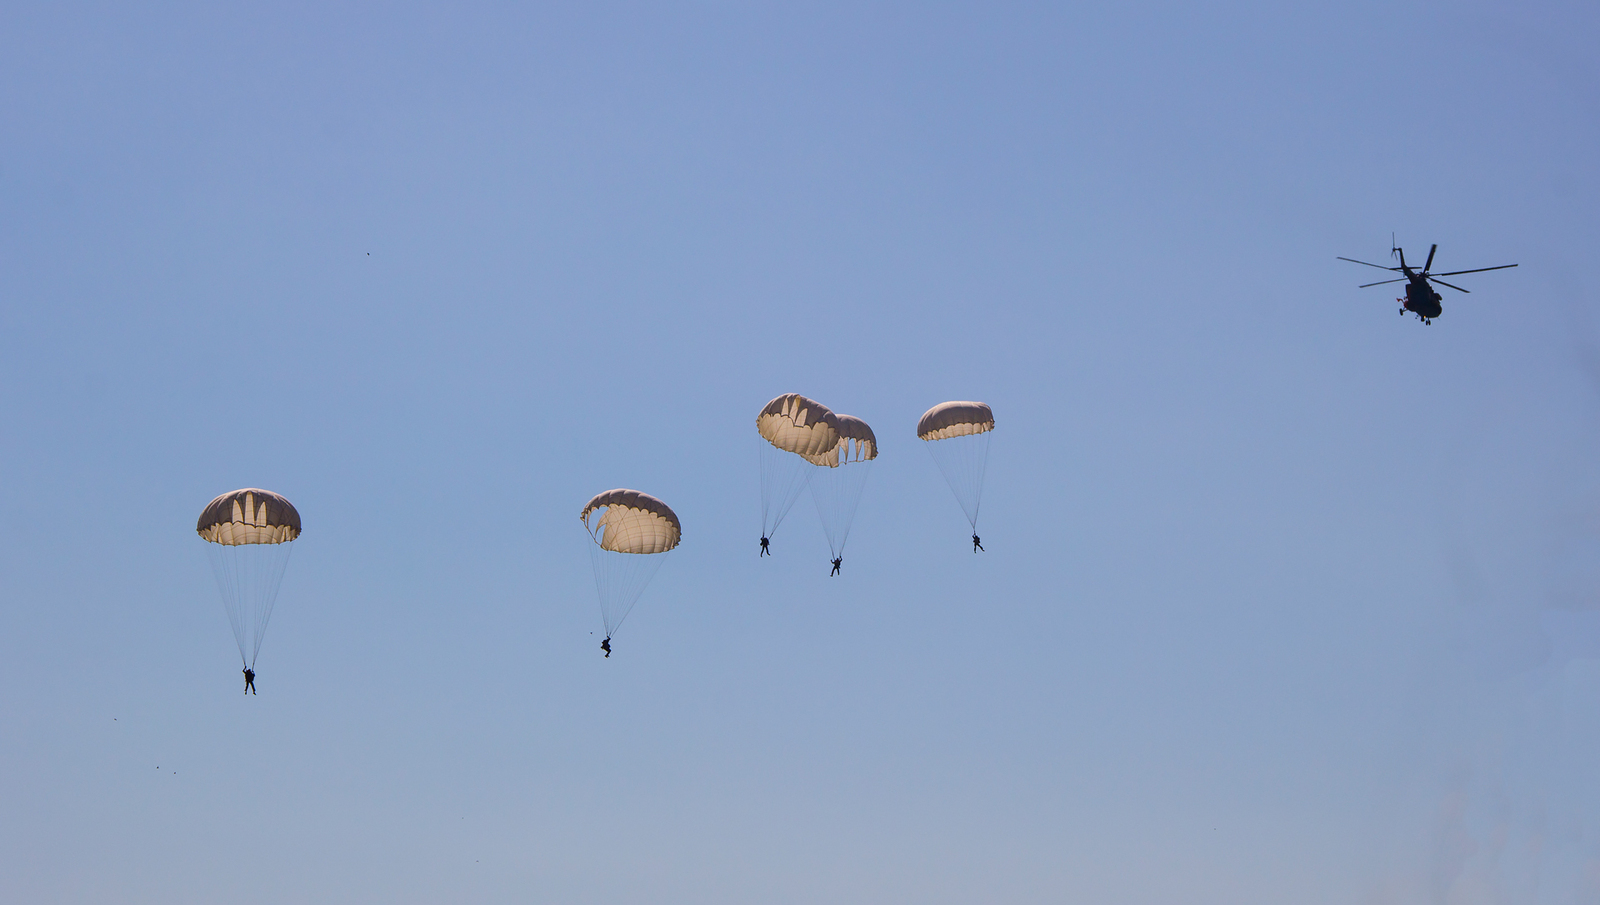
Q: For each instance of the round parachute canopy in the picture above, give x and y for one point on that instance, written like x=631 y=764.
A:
x=802 y=426
x=955 y=419
x=249 y=516
x=857 y=443
x=958 y=435
x=250 y=533
x=633 y=522
x=837 y=491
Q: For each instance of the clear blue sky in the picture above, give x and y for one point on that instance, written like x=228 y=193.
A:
x=1286 y=598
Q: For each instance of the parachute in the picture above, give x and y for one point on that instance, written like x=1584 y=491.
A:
x=630 y=529
x=801 y=434
x=837 y=491
x=958 y=437
x=252 y=532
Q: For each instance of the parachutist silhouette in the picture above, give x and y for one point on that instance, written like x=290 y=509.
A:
x=977 y=546
x=606 y=646
x=764 y=550
x=249 y=680
x=836 y=561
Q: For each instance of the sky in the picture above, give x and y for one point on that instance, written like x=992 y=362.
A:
x=1284 y=597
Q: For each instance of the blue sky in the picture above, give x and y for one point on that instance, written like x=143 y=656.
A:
x=1285 y=598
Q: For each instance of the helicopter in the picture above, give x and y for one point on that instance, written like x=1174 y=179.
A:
x=1420 y=299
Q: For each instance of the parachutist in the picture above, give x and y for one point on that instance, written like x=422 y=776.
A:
x=764 y=550
x=836 y=561
x=958 y=436
x=249 y=533
x=631 y=523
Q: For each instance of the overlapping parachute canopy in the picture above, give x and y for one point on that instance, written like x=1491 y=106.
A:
x=800 y=433
x=958 y=436
x=801 y=426
x=837 y=490
x=857 y=442
x=630 y=530
x=251 y=533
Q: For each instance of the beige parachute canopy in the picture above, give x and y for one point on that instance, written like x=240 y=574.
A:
x=955 y=419
x=857 y=443
x=633 y=522
x=249 y=516
x=802 y=426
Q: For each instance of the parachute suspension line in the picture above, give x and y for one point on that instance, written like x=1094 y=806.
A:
x=837 y=493
x=248 y=575
x=226 y=569
x=620 y=579
x=784 y=476
x=963 y=462
x=982 y=468
x=275 y=564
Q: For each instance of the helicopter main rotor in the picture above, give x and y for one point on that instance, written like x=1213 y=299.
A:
x=1412 y=275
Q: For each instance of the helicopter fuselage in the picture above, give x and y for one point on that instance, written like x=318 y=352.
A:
x=1421 y=299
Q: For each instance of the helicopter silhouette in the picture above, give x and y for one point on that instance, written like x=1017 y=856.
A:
x=1420 y=299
